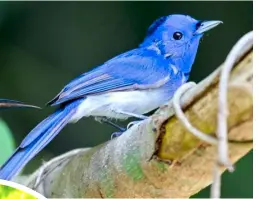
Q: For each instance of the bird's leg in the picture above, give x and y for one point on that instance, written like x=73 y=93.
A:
x=121 y=129
x=107 y=121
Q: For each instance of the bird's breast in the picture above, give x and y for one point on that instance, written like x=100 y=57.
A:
x=110 y=104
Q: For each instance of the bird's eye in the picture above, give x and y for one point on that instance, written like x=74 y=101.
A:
x=177 y=35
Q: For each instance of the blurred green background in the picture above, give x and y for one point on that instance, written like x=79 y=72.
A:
x=43 y=45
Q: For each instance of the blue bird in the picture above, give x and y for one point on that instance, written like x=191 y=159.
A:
x=7 y=103
x=128 y=85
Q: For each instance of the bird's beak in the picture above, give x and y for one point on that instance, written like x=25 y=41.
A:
x=206 y=25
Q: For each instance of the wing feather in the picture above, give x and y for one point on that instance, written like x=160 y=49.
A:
x=123 y=73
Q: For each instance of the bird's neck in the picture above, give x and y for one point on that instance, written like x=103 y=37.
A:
x=183 y=63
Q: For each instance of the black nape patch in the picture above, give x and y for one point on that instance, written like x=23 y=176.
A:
x=152 y=28
x=198 y=25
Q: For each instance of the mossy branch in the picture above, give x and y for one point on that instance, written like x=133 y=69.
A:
x=158 y=157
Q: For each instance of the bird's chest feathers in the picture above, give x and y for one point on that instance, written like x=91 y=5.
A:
x=109 y=104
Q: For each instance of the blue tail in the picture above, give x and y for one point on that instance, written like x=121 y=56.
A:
x=37 y=139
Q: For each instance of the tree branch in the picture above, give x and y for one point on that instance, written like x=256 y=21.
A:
x=159 y=157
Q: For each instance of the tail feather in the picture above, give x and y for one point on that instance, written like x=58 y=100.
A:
x=36 y=140
x=41 y=128
x=7 y=103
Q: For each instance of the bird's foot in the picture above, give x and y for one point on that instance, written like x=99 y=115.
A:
x=133 y=123
x=122 y=130
x=116 y=134
x=107 y=121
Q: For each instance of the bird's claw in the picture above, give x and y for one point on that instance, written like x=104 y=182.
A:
x=116 y=134
x=132 y=123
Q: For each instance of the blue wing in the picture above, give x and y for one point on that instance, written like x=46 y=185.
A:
x=134 y=70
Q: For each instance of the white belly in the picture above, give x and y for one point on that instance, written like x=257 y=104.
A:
x=109 y=104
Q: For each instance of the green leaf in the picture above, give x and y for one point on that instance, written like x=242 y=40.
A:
x=7 y=144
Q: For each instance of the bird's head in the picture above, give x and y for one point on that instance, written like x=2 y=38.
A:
x=177 y=37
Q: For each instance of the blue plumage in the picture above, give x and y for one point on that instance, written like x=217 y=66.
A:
x=117 y=74
x=129 y=85
x=37 y=139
